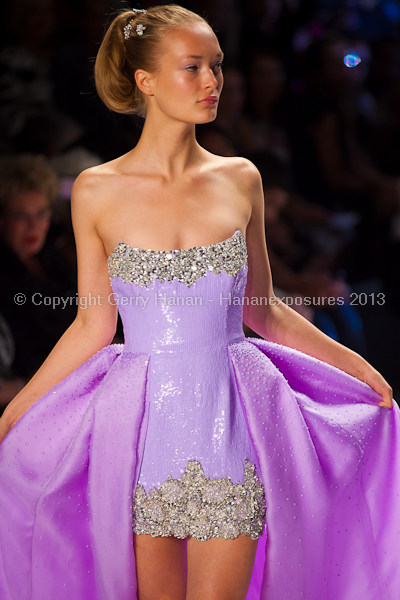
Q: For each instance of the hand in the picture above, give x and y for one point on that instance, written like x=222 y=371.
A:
x=380 y=385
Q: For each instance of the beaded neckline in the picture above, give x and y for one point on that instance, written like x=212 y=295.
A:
x=142 y=267
x=178 y=249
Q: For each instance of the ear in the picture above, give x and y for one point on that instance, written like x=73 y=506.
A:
x=144 y=81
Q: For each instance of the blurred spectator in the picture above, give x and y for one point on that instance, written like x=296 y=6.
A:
x=34 y=276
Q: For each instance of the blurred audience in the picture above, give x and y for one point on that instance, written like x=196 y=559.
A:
x=331 y=130
x=295 y=268
x=34 y=275
x=336 y=116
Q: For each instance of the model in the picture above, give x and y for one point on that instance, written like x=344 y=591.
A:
x=150 y=470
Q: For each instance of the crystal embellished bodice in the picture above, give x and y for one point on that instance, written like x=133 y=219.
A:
x=179 y=300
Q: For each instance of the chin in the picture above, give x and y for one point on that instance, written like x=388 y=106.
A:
x=207 y=118
x=31 y=249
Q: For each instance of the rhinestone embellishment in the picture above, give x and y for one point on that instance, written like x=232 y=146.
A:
x=142 y=267
x=202 y=507
x=139 y=27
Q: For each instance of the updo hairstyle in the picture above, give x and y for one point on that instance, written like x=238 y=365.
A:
x=119 y=58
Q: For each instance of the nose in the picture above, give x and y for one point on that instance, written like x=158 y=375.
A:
x=210 y=79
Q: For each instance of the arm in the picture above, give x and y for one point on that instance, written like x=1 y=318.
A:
x=278 y=322
x=93 y=327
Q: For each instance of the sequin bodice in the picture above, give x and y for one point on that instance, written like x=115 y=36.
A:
x=187 y=265
x=172 y=300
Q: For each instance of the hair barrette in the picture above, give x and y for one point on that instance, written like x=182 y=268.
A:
x=139 y=27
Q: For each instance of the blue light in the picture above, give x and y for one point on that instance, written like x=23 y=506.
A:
x=391 y=10
x=352 y=59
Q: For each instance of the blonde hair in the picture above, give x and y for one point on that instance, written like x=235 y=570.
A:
x=26 y=172
x=118 y=58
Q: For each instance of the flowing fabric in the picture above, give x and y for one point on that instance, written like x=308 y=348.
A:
x=331 y=470
x=327 y=454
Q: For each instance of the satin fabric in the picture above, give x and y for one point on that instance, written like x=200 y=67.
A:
x=327 y=455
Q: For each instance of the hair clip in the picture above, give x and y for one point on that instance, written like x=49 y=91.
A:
x=139 y=27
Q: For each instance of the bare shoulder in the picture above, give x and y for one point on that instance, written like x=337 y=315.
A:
x=241 y=170
x=92 y=190
x=92 y=181
x=244 y=176
x=245 y=172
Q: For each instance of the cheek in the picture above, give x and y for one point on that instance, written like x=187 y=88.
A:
x=15 y=230
x=185 y=85
x=14 y=234
x=176 y=93
x=40 y=229
x=176 y=83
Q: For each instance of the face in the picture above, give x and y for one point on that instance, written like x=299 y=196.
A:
x=25 y=223
x=188 y=85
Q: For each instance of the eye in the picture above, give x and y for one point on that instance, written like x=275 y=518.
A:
x=194 y=67
x=219 y=65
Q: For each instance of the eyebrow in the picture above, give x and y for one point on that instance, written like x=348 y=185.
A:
x=199 y=56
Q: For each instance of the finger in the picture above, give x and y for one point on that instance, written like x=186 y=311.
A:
x=387 y=403
x=387 y=398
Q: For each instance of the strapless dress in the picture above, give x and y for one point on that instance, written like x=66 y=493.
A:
x=189 y=428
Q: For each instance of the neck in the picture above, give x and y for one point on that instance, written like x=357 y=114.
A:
x=167 y=147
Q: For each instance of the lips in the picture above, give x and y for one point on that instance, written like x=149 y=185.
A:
x=209 y=100
x=31 y=239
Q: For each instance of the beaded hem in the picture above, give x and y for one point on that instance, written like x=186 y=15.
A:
x=142 y=267
x=202 y=507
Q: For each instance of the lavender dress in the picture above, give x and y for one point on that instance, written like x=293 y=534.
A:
x=199 y=430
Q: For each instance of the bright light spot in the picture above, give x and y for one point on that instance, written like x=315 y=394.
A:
x=352 y=59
